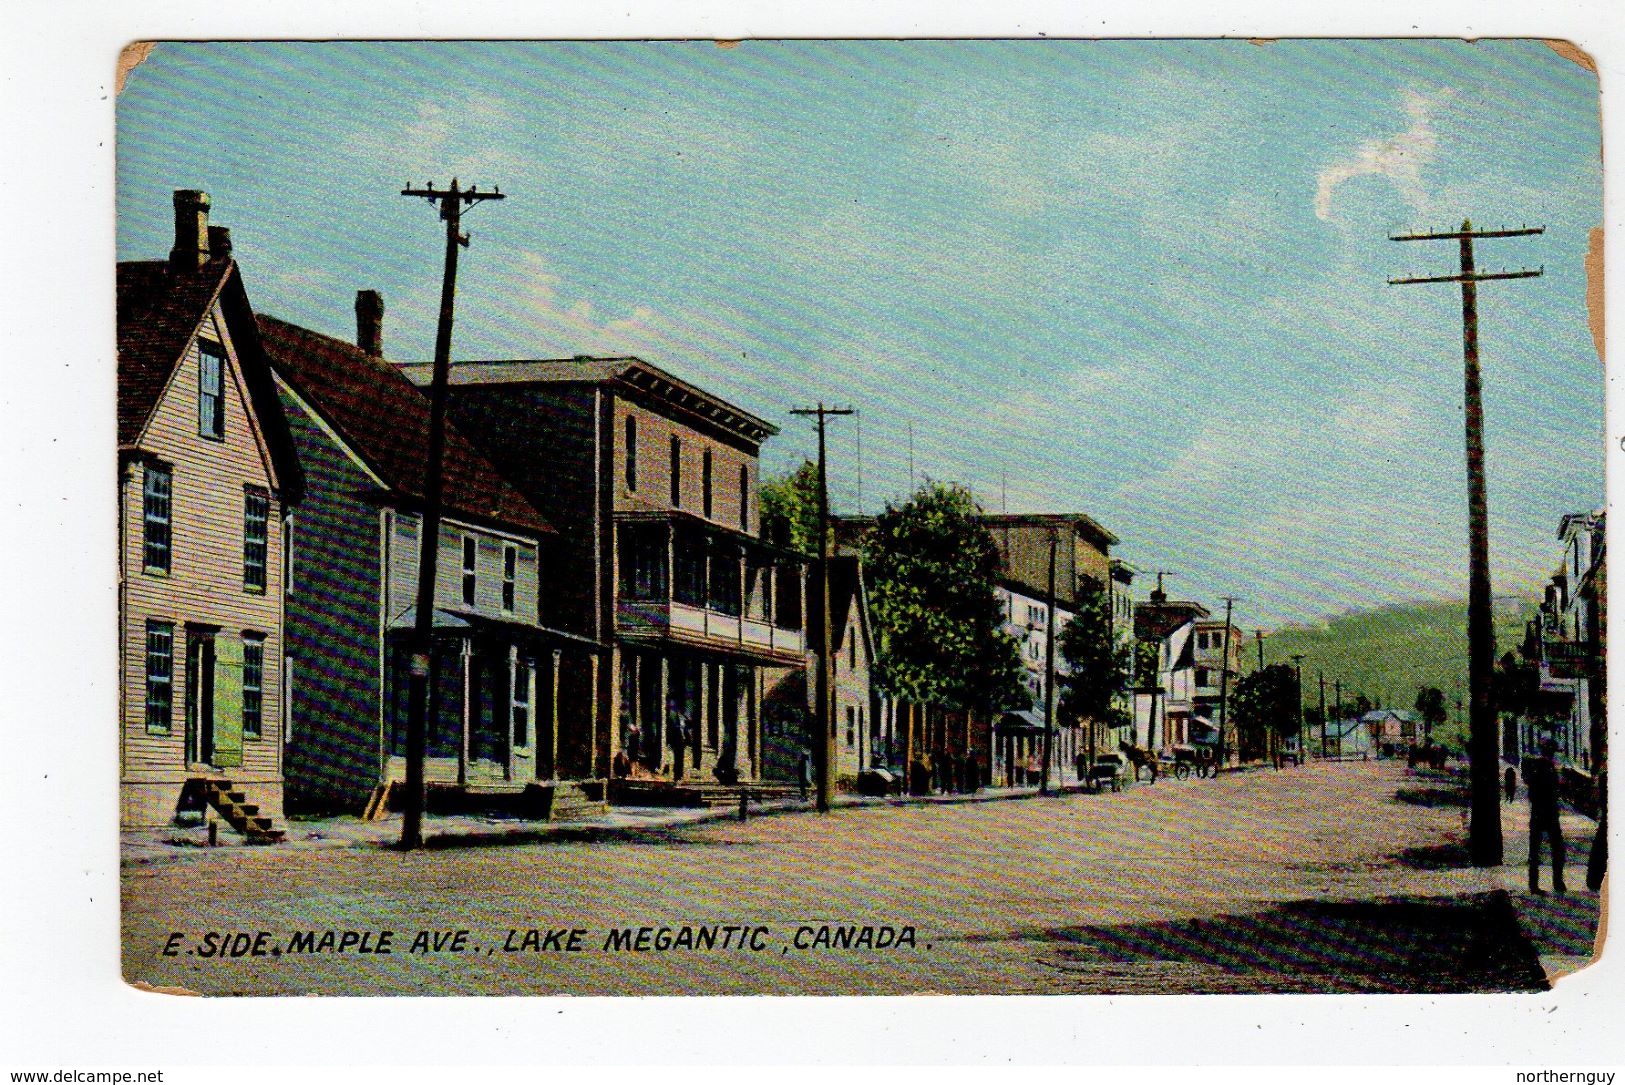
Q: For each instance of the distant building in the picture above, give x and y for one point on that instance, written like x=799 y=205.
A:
x=1212 y=656
x=1163 y=710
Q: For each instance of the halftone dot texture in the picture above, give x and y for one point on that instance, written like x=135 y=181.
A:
x=1315 y=879
x=1144 y=280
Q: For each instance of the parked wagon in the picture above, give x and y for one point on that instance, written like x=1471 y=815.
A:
x=1189 y=759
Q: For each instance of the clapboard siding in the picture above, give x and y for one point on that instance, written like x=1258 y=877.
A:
x=205 y=582
x=335 y=749
x=653 y=475
x=489 y=547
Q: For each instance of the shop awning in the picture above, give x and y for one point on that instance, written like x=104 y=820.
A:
x=1020 y=722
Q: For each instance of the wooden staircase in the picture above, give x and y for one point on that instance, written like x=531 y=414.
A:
x=239 y=813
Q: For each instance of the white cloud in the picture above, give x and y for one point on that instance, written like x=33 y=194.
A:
x=1400 y=157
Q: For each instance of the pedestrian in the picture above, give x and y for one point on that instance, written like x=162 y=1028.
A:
x=1540 y=779
x=1511 y=783
x=1597 y=864
x=804 y=773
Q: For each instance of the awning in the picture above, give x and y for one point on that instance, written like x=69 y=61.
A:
x=1019 y=722
x=448 y=621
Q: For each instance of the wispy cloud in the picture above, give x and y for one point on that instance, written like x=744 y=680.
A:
x=1399 y=157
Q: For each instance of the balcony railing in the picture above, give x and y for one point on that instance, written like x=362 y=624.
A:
x=682 y=621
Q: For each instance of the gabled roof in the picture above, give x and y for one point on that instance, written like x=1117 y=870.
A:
x=160 y=309
x=630 y=372
x=1154 y=621
x=384 y=419
x=845 y=587
x=1082 y=524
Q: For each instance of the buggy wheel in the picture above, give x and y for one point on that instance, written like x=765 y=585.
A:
x=1182 y=771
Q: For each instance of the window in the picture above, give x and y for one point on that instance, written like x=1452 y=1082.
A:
x=852 y=649
x=253 y=683
x=287 y=697
x=521 y=703
x=705 y=483
x=287 y=555
x=510 y=569
x=676 y=473
x=256 y=520
x=631 y=453
x=851 y=725
x=157 y=488
x=160 y=676
x=211 y=399
x=471 y=551
x=1203 y=676
x=744 y=498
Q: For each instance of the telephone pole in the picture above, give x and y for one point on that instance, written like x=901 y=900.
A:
x=1224 y=685
x=1049 y=669
x=1297 y=685
x=450 y=202
x=824 y=748
x=1322 y=675
x=1337 y=689
x=1258 y=635
x=1484 y=831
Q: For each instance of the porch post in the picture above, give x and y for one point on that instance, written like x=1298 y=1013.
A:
x=553 y=716
x=665 y=715
x=467 y=654
x=703 y=726
x=592 y=720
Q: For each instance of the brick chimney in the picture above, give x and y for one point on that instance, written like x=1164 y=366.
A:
x=191 y=249
x=369 y=322
x=219 y=243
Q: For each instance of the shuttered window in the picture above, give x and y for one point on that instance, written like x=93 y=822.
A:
x=211 y=400
x=744 y=498
x=676 y=473
x=160 y=676
x=705 y=482
x=470 y=569
x=631 y=453
x=253 y=683
x=157 y=487
x=256 y=523
x=510 y=572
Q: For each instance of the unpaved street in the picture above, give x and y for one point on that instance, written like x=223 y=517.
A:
x=1341 y=877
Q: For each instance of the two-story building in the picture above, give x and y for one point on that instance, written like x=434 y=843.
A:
x=1216 y=648
x=501 y=678
x=206 y=471
x=652 y=484
x=1163 y=709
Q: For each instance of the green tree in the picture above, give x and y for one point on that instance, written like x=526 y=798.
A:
x=1097 y=660
x=789 y=509
x=1430 y=706
x=933 y=568
x=1265 y=702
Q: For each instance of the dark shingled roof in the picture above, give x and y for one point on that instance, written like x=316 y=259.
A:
x=384 y=419
x=1154 y=621
x=159 y=311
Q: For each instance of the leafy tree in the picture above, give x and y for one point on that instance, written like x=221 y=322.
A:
x=1265 y=701
x=1097 y=660
x=933 y=568
x=789 y=509
x=1430 y=706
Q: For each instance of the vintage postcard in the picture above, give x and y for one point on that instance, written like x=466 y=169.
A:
x=860 y=517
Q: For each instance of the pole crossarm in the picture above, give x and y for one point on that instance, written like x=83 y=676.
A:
x=1457 y=235
x=1521 y=273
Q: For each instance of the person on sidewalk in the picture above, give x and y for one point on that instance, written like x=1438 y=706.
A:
x=804 y=774
x=1510 y=783
x=1540 y=779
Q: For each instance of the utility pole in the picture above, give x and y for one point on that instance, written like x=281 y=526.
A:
x=1322 y=675
x=1224 y=685
x=1258 y=635
x=1484 y=831
x=824 y=748
x=1049 y=668
x=1337 y=688
x=450 y=202
x=1297 y=685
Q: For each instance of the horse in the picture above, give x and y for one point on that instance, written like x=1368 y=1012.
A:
x=1138 y=757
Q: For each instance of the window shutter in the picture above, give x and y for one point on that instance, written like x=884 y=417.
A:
x=228 y=702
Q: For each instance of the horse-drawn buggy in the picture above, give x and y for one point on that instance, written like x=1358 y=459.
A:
x=1193 y=758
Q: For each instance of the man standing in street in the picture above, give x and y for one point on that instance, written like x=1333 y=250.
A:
x=1540 y=780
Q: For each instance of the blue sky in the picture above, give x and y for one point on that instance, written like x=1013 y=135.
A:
x=1143 y=280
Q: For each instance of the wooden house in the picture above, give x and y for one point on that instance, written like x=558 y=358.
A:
x=497 y=669
x=206 y=470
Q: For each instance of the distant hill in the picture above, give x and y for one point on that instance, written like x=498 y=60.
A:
x=1388 y=652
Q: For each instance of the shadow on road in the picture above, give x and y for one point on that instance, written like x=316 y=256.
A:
x=1432 y=796
x=1465 y=943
